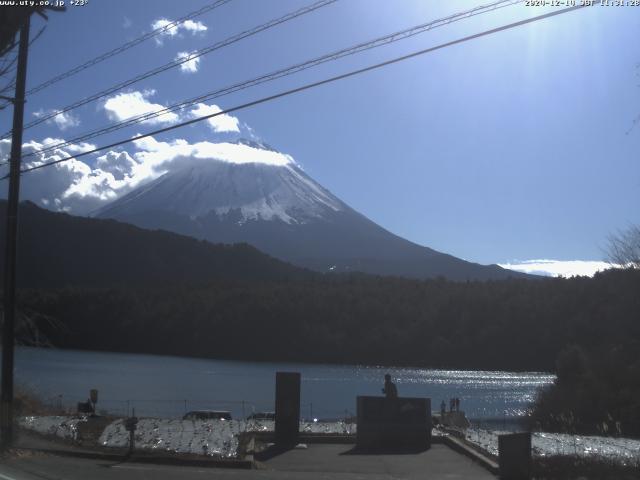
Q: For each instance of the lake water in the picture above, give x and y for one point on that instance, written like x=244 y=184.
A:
x=167 y=386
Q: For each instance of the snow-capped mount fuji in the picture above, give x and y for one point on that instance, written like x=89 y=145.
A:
x=278 y=208
x=245 y=192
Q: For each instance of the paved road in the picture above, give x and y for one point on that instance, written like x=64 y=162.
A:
x=315 y=463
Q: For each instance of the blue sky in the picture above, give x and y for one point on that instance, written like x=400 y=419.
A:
x=505 y=149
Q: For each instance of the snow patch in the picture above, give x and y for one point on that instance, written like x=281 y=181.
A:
x=202 y=437
x=210 y=437
x=622 y=450
x=214 y=438
x=57 y=426
x=253 y=191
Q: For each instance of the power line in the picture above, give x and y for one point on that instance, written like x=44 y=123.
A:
x=175 y=63
x=126 y=46
x=6 y=89
x=309 y=86
x=361 y=47
x=9 y=70
x=9 y=65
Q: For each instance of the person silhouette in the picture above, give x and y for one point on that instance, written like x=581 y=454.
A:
x=389 y=390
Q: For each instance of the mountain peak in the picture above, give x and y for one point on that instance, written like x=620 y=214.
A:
x=246 y=191
x=255 y=144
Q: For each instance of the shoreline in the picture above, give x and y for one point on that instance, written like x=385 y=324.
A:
x=280 y=362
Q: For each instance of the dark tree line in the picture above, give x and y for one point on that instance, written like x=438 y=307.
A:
x=585 y=329
x=507 y=324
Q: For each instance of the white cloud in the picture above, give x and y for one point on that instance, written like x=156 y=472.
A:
x=169 y=32
x=5 y=150
x=559 y=268
x=148 y=144
x=169 y=154
x=77 y=148
x=126 y=22
x=192 y=63
x=53 y=187
x=120 y=164
x=81 y=186
x=126 y=105
x=66 y=120
x=73 y=185
x=173 y=30
x=194 y=27
x=62 y=120
x=220 y=123
x=50 y=142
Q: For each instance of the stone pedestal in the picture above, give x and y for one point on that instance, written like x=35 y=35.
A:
x=287 y=408
x=394 y=423
x=514 y=452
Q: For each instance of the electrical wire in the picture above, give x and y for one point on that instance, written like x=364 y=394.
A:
x=8 y=70
x=361 y=47
x=178 y=62
x=308 y=86
x=125 y=46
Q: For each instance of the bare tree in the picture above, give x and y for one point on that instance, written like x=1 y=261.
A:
x=624 y=247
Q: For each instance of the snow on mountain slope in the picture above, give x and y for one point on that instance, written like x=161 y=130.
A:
x=278 y=208
x=258 y=191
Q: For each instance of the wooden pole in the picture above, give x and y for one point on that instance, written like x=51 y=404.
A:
x=9 y=297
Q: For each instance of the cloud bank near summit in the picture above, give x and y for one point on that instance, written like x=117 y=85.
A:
x=80 y=186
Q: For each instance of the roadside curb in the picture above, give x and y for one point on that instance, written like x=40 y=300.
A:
x=246 y=464
x=307 y=437
x=461 y=447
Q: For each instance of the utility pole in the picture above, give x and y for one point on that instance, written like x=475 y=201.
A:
x=8 y=333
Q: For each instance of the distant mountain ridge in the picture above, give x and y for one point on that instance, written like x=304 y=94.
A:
x=282 y=211
x=58 y=250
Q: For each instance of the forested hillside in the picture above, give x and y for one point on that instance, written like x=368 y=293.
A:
x=59 y=250
x=507 y=324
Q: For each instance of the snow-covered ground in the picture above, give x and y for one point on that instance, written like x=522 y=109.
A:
x=328 y=427
x=203 y=437
x=624 y=450
x=57 y=426
x=220 y=437
x=210 y=437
